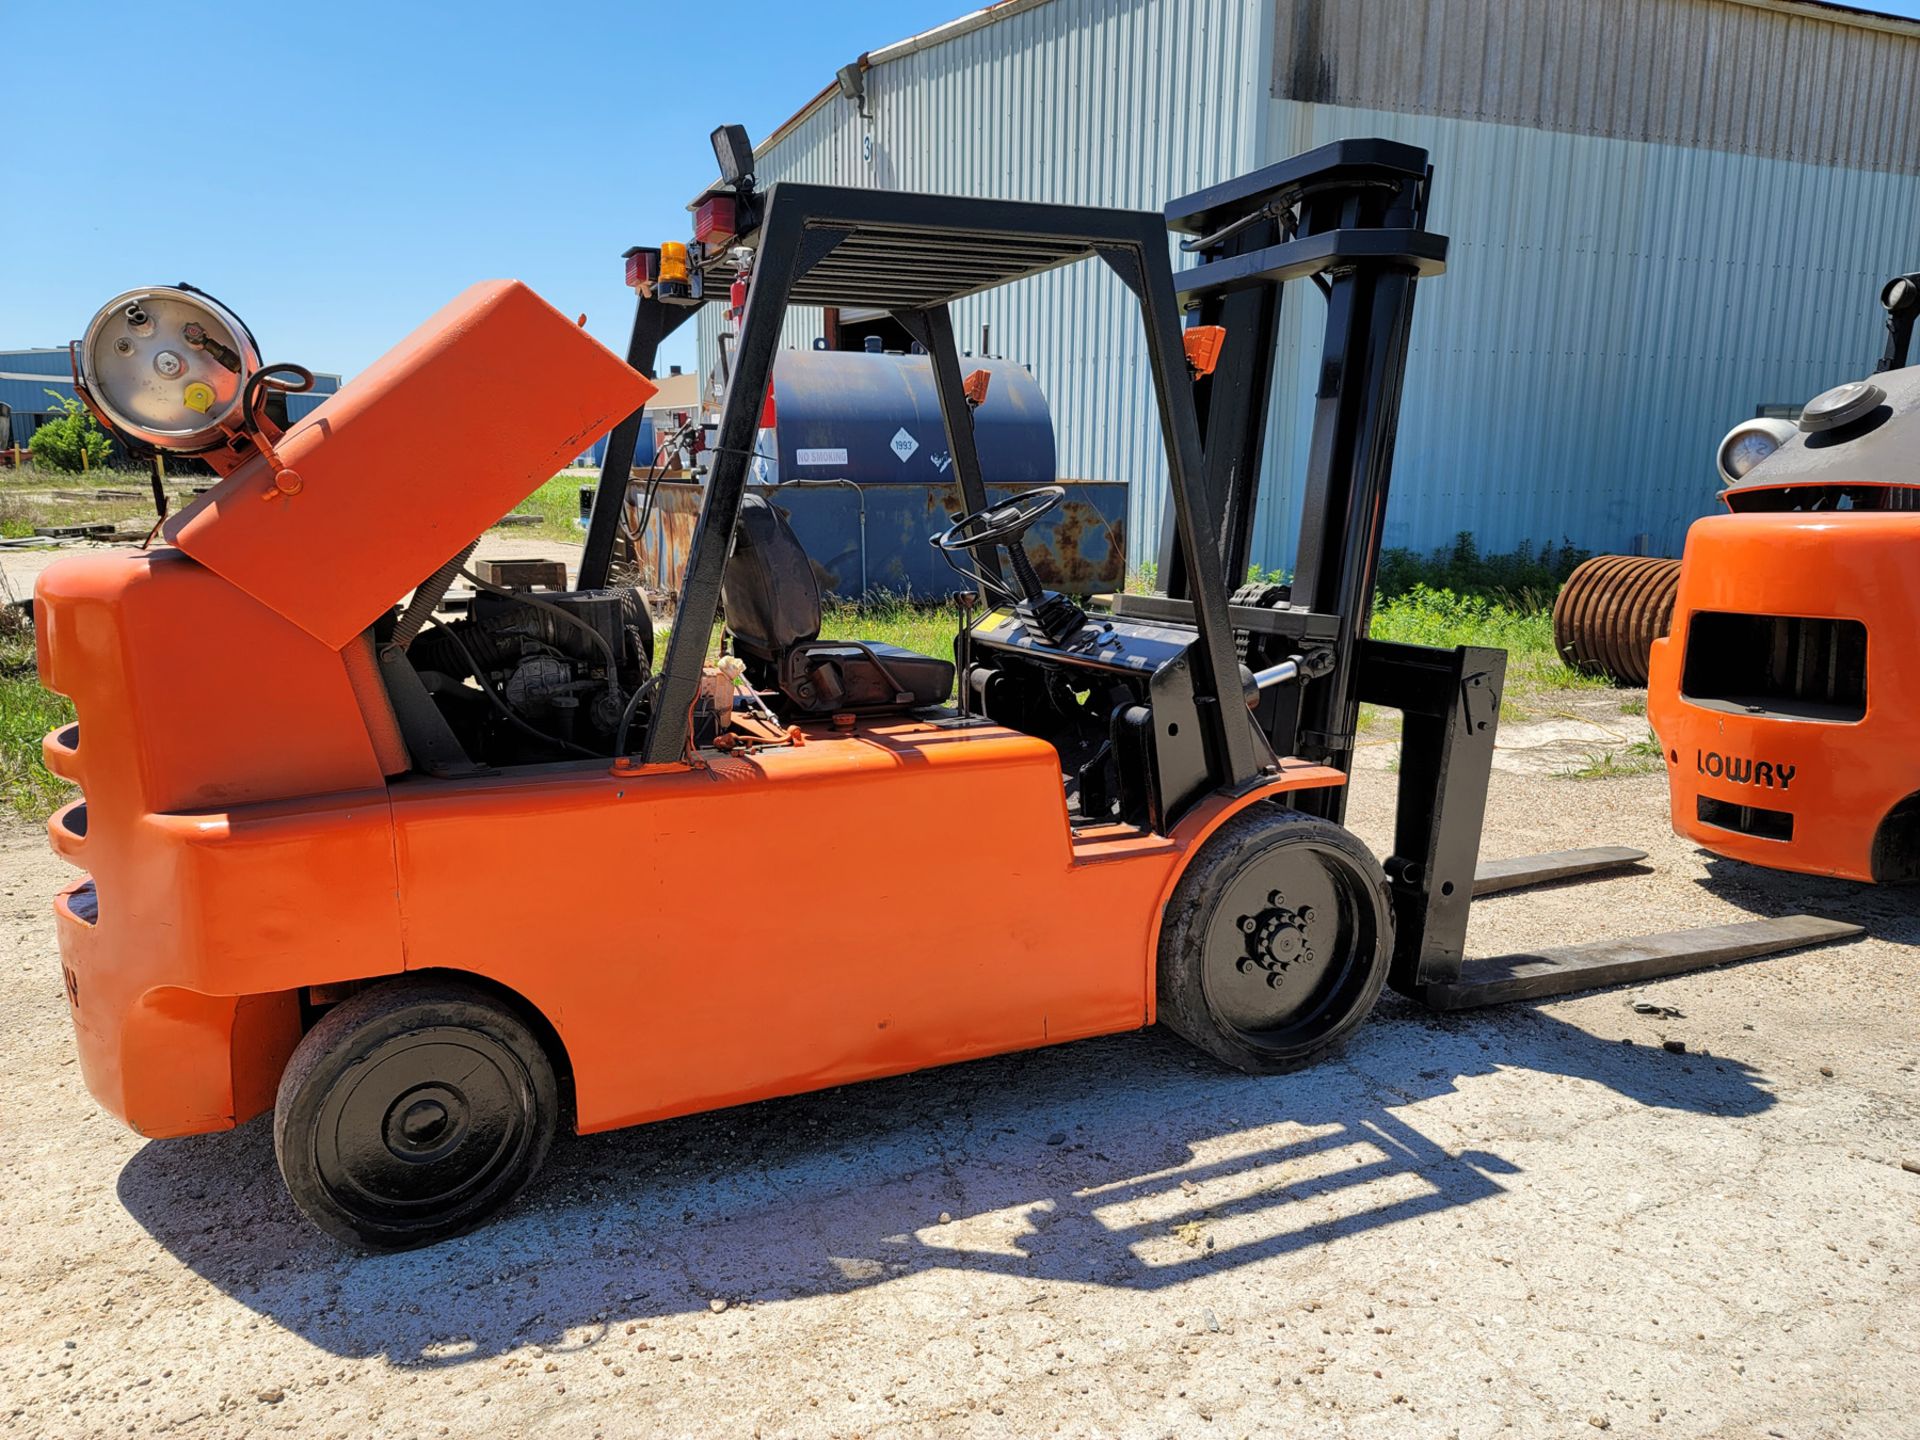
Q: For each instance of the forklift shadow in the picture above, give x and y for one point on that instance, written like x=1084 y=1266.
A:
x=1888 y=912
x=1127 y=1162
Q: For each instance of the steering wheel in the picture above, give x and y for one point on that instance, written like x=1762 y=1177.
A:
x=1001 y=524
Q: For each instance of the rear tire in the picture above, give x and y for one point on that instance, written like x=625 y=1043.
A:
x=413 y=1111
x=1276 y=942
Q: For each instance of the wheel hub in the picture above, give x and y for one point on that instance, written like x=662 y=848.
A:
x=399 y=1138
x=1290 y=944
x=1277 y=937
x=425 y=1123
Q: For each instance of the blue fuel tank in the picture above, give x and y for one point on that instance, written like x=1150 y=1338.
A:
x=857 y=461
x=875 y=420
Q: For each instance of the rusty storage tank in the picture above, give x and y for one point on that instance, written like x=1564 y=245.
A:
x=1611 y=610
x=857 y=459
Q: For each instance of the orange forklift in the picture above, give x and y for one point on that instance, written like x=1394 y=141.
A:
x=1780 y=697
x=432 y=886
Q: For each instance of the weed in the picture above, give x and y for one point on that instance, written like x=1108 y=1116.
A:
x=27 y=713
x=1642 y=757
x=1525 y=577
x=72 y=439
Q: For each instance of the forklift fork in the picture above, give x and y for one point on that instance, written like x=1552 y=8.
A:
x=1450 y=701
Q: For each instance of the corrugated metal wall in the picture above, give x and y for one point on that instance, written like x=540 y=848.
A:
x=1098 y=102
x=1614 y=301
x=25 y=378
x=1720 y=75
x=1609 y=310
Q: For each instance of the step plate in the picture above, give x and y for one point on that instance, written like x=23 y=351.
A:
x=1561 y=969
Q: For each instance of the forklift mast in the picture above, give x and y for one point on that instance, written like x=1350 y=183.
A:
x=1349 y=217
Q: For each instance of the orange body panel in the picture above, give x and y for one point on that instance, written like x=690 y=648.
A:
x=235 y=825
x=1846 y=777
x=696 y=936
x=704 y=937
x=438 y=439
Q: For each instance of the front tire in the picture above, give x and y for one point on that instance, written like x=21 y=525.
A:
x=1276 y=942
x=413 y=1111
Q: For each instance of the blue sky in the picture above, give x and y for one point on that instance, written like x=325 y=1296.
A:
x=339 y=169
x=336 y=170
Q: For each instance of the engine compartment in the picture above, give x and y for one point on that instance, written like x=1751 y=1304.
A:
x=553 y=673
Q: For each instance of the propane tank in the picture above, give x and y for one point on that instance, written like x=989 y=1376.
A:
x=168 y=367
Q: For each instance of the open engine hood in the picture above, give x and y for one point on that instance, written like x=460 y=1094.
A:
x=439 y=438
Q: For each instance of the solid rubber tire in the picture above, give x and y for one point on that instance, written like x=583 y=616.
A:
x=1183 y=1004
x=350 y=1033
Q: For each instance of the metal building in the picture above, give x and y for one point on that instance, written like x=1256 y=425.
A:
x=1664 y=213
x=26 y=377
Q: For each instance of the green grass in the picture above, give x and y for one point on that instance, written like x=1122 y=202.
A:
x=557 y=503
x=1642 y=757
x=20 y=517
x=1422 y=616
x=27 y=499
x=1523 y=627
x=929 y=630
x=1611 y=765
x=27 y=713
x=109 y=477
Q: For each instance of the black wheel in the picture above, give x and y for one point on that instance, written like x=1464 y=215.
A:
x=1276 y=941
x=411 y=1112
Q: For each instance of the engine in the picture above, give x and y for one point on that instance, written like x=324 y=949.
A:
x=525 y=677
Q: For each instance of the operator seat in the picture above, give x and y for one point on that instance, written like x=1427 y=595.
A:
x=772 y=602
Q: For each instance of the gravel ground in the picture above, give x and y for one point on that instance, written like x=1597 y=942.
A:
x=1532 y=1221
